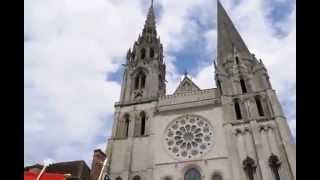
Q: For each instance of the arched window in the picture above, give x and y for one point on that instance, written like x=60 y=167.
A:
x=259 y=105
x=118 y=178
x=140 y=81
x=143 y=80
x=126 y=121
x=167 y=178
x=243 y=86
x=127 y=126
x=275 y=164
x=123 y=126
x=136 y=177
x=143 y=123
x=136 y=82
x=151 y=52
x=237 y=109
x=143 y=53
x=216 y=177
x=192 y=174
x=237 y=60
x=249 y=168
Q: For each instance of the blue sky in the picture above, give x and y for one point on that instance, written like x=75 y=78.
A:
x=74 y=50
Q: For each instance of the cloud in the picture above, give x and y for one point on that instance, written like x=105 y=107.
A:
x=70 y=48
x=73 y=46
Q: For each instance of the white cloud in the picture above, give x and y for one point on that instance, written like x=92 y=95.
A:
x=71 y=47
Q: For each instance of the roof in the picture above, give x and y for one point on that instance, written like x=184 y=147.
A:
x=38 y=166
x=78 y=169
x=100 y=152
x=44 y=176
x=186 y=85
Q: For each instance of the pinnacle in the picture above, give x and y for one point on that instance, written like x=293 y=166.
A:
x=150 y=23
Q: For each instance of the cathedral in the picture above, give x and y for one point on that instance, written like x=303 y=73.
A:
x=236 y=131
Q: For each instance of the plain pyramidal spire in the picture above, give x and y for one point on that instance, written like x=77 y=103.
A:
x=229 y=39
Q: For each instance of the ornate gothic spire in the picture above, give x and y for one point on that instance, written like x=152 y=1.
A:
x=229 y=39
x=150 y=23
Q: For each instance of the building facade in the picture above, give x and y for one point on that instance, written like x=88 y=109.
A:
x=236 y=131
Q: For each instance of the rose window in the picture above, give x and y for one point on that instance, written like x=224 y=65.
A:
x=188 y=137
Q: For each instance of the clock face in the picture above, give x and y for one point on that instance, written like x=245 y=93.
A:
x=188 y=137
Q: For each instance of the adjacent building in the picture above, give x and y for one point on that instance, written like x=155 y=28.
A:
x=72 y=170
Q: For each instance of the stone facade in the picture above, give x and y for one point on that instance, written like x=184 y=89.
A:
x=236 y=131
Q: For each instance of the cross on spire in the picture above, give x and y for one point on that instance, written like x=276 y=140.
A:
x=150 y=23
x=185 y=73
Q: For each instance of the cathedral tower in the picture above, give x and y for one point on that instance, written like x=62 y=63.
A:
x=236 y=131
x=144 y=74
x=258 y=133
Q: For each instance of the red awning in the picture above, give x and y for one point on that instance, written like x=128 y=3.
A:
x=44 y=176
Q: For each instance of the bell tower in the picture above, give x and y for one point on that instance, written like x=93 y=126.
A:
x=144 y=74
x=237 y=71
x=259 y=138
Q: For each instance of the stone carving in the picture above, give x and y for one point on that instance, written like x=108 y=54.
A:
x=241 y=130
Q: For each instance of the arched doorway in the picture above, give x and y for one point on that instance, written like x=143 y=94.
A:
x=192 y=174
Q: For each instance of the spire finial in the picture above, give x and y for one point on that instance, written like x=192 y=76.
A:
x=150 y=21
x=185 y=73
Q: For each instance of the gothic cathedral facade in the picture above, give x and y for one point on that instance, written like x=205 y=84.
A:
x=236 y=131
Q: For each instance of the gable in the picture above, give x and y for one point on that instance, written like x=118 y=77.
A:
x=186 y=85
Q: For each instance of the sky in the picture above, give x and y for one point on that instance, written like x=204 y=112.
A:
x=74 y=51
